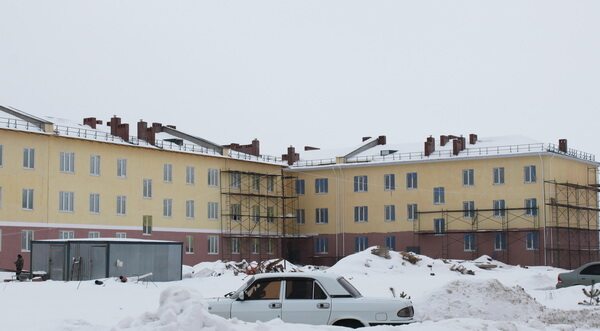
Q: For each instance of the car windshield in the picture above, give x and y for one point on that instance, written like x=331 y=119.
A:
x=349 y=287
x=243 y=287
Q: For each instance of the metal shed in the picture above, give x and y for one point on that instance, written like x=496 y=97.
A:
x=97 y=258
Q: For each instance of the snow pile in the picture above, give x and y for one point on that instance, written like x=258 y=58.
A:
x=219 y=268
x=365 y=262
x=486 y=299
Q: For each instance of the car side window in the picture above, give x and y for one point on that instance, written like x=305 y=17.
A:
x=591 y=270
x=298 y=289
x=319 y=294
x=263 y=290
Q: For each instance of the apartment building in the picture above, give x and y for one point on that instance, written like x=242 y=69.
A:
x=514 y=199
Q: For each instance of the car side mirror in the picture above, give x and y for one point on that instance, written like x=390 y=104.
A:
x=240 y=296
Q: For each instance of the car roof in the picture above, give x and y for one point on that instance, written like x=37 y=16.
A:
x=328 y=280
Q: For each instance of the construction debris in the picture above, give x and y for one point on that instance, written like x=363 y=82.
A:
x=381 y=251
x=486 y=266
x=410 y=257
x=461 y=268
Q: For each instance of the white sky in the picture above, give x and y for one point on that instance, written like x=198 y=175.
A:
x=321 y=73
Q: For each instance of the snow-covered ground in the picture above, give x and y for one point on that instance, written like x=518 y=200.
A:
x=502 y=298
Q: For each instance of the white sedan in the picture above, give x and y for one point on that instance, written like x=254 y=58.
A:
x=309 y=298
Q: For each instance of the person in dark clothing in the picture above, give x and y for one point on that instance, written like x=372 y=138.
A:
x=19 y=264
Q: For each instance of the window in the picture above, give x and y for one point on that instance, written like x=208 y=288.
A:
x=438 y=195
x=498 y=176
x=322 y=216
x=256 y=213
x=0 y=196
x=95 y=203
x=67 y=162
x=321 y=245
x=499 y=208
x=189 y=209
x=390 y=213
x=270 y=184
x=469 y=242
x=593 y=269
x=468 y=177
x=26 y=238
x=147 y=188
x=300 y=216
x=0 y=234
x=255 y=249
x=300 y=186
x=66 y=234
x=270 y=246
x=189 y=244
x=361 y=243
x=469 y=209
x=27 y=199
x=95 y=165
x=122 y=168
x=532 y=241
x=235 y=245
x=256 y=182
x=303 y=289
x=360 y=184
x=236 y=212
x=121 y=235
x=121 y=205
x=321 y=185
x=213 y=177
x=390 y=242
x=190 y=175
x=439 y=225
x=530 y=176
x=270 y=214
x=65 y=201
x=213 y=210
x=412 y=211
x=389 y=182
x=500 y=242
x=263 y=289
x=94 y=234
x=361 y=214
x=531 y=207
x=235 y=180
x=168 y=173
x=213 y=245
x=411 y=180
x=28 y=158
x=167 y=207
x=1 y=155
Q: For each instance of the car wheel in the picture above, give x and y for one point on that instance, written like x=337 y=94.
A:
x=354 y=324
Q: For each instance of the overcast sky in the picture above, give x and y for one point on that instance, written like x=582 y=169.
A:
x=321 y=73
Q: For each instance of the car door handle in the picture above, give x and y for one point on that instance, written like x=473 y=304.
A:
x=275 y=305
x=323 y=305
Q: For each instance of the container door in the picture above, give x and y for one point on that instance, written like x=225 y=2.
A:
x=98 y=262
x=57 y=262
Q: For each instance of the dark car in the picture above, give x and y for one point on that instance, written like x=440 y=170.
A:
x=587 y=274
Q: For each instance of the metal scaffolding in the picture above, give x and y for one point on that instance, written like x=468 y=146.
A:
x=483 y=224
x=258 y=211
x=572 y=229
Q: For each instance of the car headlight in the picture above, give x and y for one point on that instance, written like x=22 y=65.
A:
x=406 y=312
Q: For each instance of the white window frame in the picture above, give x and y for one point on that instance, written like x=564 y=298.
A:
x=121 y=205
x=255 y=213
x=439 y=195
x=255 y=182
x=469 y=177
x=389 y=182
x=500 y=241
x=532 y=242
x=255 y=246
x=498 y=176
x=322 y=216
x=321 y=245
x=439 y=226
x=29 y=158
x=147 y=225
x=361 y=214
x=190 y=209
x=0 y=236
x=236 y=212
x=235 y=245
x=469 y=242
x=27 y=199
x=321 y=185
x=94 y=203
x=122 y=235
x=412 y=211
x=213 y=210
x=412 y=181
x=147 y=188
x=300 y=216
x=66 y=234
x=361 y=183
x=499 y=208
x=168 y=207
x=94 y=234
x=270 y=183
x=26 y=239
x=168 y=173
x=189 y=244
x=300 y=187
x=122 y=168
x=66 y=201
x=390 y=242
x=95 y=165
x=531 y=207
x=361 y=243
x=270 y=214
x=67 y=162
x=213 y=177
x=270 y=246
x=190 y=175
x=389 y=213
x=1 y=155
x=235 y=180
x=469 y=209
x=530 y=174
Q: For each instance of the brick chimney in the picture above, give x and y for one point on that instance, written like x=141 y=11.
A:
x=123 y=131
x=381 y=140
x=562 y=145
x=252 y=148
x=429 y=146
x=456 y=148
x=91 y=122
x=463 y=143
x=114 y=123
x=444 y=140
x=472 y=138
x=142 y=130
x=291 y=157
